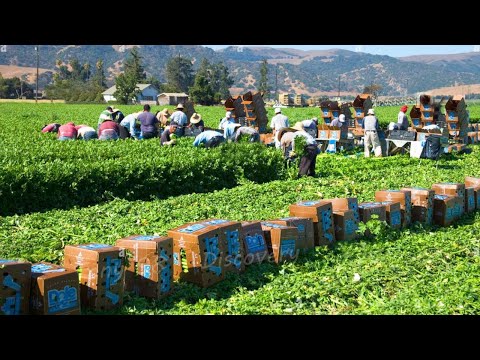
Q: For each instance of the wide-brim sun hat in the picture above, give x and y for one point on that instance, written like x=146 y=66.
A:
x=196 y=118
x=282 y=131
x=180 y=106
x=298 y=126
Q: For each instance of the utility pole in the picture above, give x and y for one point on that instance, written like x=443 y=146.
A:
x=36 y=86
x=276 y=82
x=339 y=86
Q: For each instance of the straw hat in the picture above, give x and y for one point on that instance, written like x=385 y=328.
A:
x=195 y=119
x=180 y=107
x=298 y=126
x=283 y=131
x=165 y=112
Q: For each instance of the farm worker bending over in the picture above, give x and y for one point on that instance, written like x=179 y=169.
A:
x=228 y=119
x=163 y=117
x=309 y=152
x=248 y=131
x=105 y=115
x=148 y=123
x=168 y=135
x=117 y=115
x=278 y=121
x=86 y=132
x=210 y=138
x=67 y=132
x=51 y=128
x=310 y=126
x=108 y=130
x=180 y=118
x=130 y=126
x=196 y=123
x=370 y=124
x=229 y=131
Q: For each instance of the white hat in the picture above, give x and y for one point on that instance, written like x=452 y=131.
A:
x=298 y=126
x=371 y=112
x=278 y=110
x=228 y=114
x=341 y=118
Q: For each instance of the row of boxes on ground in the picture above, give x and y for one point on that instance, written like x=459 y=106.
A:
x=196 y=252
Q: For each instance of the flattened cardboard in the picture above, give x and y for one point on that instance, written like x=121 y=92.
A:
x=150 y=270
x=14 y=287
x=54 y=290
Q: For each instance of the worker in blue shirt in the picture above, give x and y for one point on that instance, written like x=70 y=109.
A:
x=210 y=138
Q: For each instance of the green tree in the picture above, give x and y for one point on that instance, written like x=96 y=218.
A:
x=99 y=77
x=202 y=91
x=179 y=74
x=222 y=81
x=263 y=86
x=3 y=87
x=76 y=72
x=133 y=74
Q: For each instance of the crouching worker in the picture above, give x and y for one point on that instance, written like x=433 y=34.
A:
x=168 y=136
x=210 y=138
x=86 y=132
x=67 y=132
x=302 y=144
x=235 y=132
x=51 y=128
x=130 y=127
x=109 y=130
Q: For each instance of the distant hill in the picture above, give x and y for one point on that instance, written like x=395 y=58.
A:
x=295 y=71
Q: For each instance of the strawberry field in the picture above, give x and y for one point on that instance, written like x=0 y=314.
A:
x=57 y=193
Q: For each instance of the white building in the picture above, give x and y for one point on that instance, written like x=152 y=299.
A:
x=172 y=98
x=148 y=94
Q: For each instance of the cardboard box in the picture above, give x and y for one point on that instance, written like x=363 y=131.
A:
x=422 y=204
x=469 y=202
x=477 y=196
x=404 y=197
x=101 y=271
x=346 y=225
x=306 y=234
x=344 y=204
x=334 y=134
x=394 y=213
x=367 y=209
x=281 y=241
x=452 y=189
x=207 y=249
x=256 y=250
x=321 y=213
x=14 y=287
x=150 y=270
x=472 y=181
x=447 y=209
x=323 y=134
x=54 y=290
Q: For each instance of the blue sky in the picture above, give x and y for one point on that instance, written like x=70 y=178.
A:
x=391 y=50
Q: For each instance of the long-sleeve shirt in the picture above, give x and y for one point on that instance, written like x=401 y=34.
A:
x=179 y=117
x=229 y=131
x=51 y=128
x=402 y=121
x=105 y=115
x=244 y=130
x=336 y=122
x=224 y=122
x=370 y=122
x=309 y=124
x=310 y=140
x=279 y=121
x=166 y=136
x=203 y=137
x=130 y=122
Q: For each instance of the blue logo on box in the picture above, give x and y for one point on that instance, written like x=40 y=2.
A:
x=94 y=246
x=395 y=218
x=212 y=255
x=44 y=268
x=215 y=222
x=145 y=237
x=113 y=274
x=12 y=303
x=176 y=260
x=60 y=300
x=147 y=271
x=233 y=246
x=192 y=228
x=350 y=227
x=308 y=203
x=287 y=248
x=255 y=243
